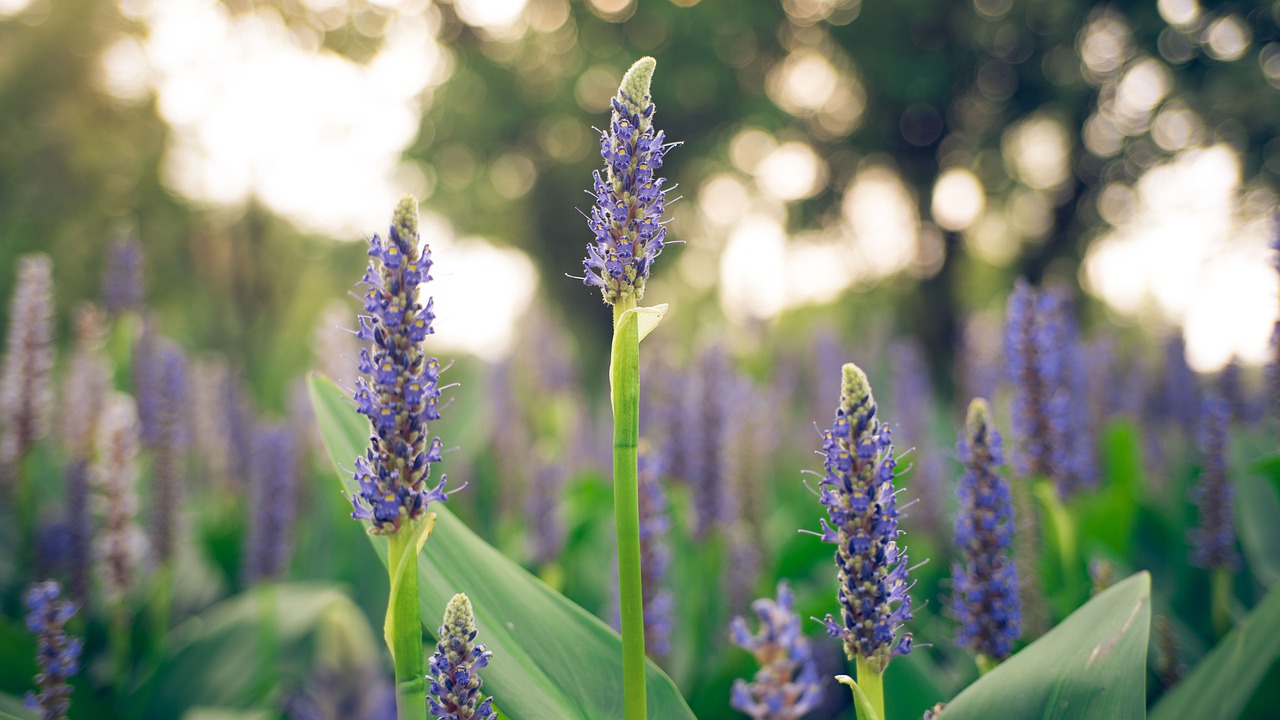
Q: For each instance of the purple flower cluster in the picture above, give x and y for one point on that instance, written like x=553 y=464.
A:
x=122 y=283
x=59 y=656
x=273 y=492
x=630 y=200
x=1213 y=540
x=163 y=412
x=399 y=388
x=655 y=522
x=26 y=389
x=913 y=402
x=858 y=493
x=455 y=681
x=120 y=544
x=1044 y=365
x=985 y=599
x=787 y=685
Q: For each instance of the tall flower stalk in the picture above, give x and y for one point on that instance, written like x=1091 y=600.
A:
x=985 y=599
x=629 y=235
x=399 y=392
x=1213 y=540
x=26 y=389
x=861 y=504
x=455 y=667
x=59 y=655
x=787 y=685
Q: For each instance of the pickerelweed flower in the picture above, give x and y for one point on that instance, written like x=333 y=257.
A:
x=913 y=401
x=1179 y=398
x=166 y=375
x=59 y=655
x=655 y=522
x=84 y=392
x=122 y=284
x=544 y=509
x=708 y=429
x=455 y=679
x=630 y=199
x=787 y=685
x=985 y=590
x=1033 y=377
x=858 y=493
x=273 y=496
x=399 y=387
x=120 y=543
x=1213 y=540
x=26 y=386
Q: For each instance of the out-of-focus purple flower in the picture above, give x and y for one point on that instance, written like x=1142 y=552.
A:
x=165 y=377
x=985 y=591
x=630 y=198
x=1050 y=415
x=349 y=694
x=710 y=425
x=545 y=511
x=120 y=542
x=84 y=392
x=1179 y=399
x=1247 y=407
x=978 y=357
x=1213 y=540
x=273 y=503
x=787 y=685
x=26 y=386
x=399 y=388
x=122 y=284
x=455 y=678
x=59 y=655
x=655 y=522
x=913 y=404
x=858 y=492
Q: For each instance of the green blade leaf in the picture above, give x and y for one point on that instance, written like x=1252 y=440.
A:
x=860 y=701
x=1226 y=679
x=551 y=658
x=1092 y=665
x=1257 y=509
x=218 y=658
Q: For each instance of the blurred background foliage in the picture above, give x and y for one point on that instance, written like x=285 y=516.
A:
x=856 y=177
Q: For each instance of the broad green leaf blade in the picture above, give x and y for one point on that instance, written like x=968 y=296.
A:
x=1222 y=684
x=219 y=661
x=1257 y=509
x=1092 y=665
x=551 y=658
x=11 y=709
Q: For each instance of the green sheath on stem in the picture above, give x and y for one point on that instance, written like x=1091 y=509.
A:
x=624 y=378
x=872 y=683
x=404 y=624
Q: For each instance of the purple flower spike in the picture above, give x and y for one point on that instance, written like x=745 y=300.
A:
x=122 y=285
x=26 y=390
x=273 y=492
x=1213 y=540
x=630 y=198
x=858 y=493
x=787 y=685
x=399 y=389
x=59 y=655
x=985 y=599
x=455 y=679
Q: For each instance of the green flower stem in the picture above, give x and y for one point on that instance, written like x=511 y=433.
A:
x=872 y=684
x=404 y=625
x=1221 y=601
x=625 y=381
x=118 y=638
x=268 y=642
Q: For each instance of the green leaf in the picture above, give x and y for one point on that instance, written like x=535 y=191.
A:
x=1108 y=514
x=1092 y=665
x=11 y=709
x=1257 y=509
x=551 y=658
x=861 y=703
x=1222 y=684
x=217 y=661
